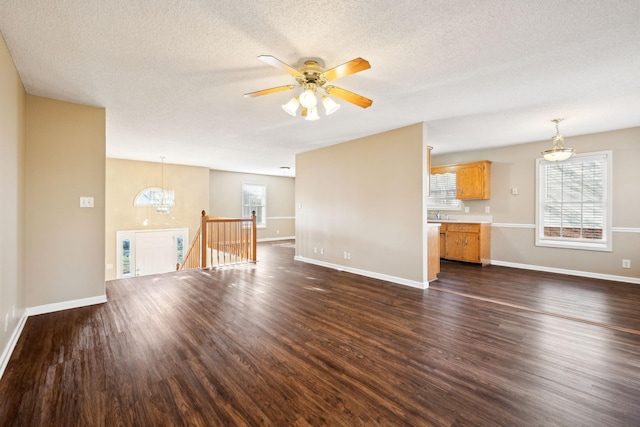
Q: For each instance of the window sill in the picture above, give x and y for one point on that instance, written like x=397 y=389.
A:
x=602 y=247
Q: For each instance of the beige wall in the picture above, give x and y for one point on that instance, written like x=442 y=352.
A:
x=126 y=178
x=226 y=200
x=64 y=160
x=12 y=142
x=512 y=236
x=365 y=197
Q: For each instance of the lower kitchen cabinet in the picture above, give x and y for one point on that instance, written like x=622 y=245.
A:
x=468 y=242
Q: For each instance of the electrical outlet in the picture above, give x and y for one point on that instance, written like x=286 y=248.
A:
x=321 y=251
x=86 y=202
x=277 y=231
x=6 y=322
x=348 y=255
x=487 y=209
x=466 y=209
x=514 y=191
x=344 y=255
x=626 y=263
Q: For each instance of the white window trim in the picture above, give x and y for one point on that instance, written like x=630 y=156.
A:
x=266 y=192
x=566 y=243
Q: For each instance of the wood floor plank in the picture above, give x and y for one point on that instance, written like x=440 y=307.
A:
x=283 y=343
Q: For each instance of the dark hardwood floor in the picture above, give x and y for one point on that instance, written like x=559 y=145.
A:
x=284 y=343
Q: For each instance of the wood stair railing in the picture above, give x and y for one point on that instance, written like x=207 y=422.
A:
x=222 y=242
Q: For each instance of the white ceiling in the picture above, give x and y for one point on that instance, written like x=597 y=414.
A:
x=172 y=74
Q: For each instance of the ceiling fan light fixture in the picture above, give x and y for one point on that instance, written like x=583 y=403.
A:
x=330 y=106
x=292 y=106
x=558 y=153
x=312 y=114
x=311 y=78
x=308 y=97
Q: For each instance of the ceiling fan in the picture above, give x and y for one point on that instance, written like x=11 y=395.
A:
x=313 y=78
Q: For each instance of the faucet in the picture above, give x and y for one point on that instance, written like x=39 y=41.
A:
x=437 y=214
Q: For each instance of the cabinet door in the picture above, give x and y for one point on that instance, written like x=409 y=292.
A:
x=470 y=182
x=470 y=247
x=454 y=245
x=463 y=246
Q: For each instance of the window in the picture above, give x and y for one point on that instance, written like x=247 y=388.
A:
x=254 y=198
x=574 y=210
x=180 y=248
x=150 y=195
x=126 y=258
x=442 y=192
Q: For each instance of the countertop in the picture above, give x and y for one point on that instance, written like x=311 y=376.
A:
x=461 y=221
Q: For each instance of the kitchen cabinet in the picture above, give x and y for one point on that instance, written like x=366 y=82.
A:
x=469 y=242
x=473 y=180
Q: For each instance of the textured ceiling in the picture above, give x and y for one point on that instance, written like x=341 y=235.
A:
x=171 y=74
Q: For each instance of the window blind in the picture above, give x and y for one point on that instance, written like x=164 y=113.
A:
x=574 y=198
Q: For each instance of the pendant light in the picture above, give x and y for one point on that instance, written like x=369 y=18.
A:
x=558 y=153
x=163 y=200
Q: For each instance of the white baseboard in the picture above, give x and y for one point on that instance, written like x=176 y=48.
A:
x=578 y=273
x=274 y=239
x=366 y=273
x=65 y=305
x=11 y=345
x=42 y=309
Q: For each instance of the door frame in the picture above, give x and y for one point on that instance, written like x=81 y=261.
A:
x=123 y=235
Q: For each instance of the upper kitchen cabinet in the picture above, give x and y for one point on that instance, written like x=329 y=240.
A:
x=473 y=180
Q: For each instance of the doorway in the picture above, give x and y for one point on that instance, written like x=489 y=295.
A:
x=145 y=252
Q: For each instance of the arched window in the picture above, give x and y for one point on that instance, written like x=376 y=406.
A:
x=147 y=196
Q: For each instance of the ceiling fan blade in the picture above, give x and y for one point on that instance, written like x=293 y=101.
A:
x=351 y=97
x=351 y=67
x=275 y=62
x=268 y=91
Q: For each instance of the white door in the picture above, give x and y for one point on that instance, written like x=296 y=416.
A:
x=155 y=252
